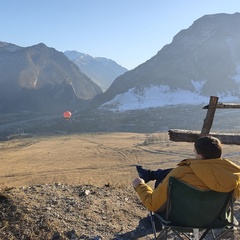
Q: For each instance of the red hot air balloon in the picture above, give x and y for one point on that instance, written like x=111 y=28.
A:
x=67 y=114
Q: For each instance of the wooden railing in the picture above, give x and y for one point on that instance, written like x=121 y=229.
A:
x=191 y=136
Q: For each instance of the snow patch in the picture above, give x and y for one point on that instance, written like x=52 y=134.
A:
x=159 y=96
x=198 y=85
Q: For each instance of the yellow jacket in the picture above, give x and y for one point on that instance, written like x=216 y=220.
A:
x=218 y=174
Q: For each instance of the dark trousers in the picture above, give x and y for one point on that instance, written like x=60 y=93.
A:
x=160 y=174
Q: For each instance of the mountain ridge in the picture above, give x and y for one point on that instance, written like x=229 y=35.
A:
x=38 y=77
x=202 y=60
x=102 y=71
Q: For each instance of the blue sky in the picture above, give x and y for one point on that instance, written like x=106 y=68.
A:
x=127 y=31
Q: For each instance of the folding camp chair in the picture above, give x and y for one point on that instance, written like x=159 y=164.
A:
x=194 y=214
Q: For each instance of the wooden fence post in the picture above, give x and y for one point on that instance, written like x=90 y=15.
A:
x=208 y=121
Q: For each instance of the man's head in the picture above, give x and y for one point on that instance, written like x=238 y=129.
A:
x=208 y=147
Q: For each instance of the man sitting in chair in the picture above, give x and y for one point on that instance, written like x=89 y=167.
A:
x=207 y=171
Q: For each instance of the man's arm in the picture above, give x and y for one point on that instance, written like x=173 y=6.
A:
x=153 y=200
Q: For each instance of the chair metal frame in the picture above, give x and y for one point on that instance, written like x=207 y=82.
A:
x=195 y=232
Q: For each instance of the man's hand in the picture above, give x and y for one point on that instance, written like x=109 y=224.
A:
x=137 y=181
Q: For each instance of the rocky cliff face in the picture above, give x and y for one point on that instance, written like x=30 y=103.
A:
x=38 y=78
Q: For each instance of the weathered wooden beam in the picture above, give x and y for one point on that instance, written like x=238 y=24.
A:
x=178 y=135
x=225 y=105
x=208 y=121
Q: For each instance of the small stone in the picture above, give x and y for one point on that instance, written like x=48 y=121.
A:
x=97 y=238
x=87 y=192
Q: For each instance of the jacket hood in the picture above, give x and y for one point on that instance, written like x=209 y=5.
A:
x=218 y=174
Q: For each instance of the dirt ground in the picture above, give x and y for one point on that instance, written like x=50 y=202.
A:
x=99 y=163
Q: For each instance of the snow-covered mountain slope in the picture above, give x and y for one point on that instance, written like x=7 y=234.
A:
x=201 y=61
x=159 y=96
x=100 y=70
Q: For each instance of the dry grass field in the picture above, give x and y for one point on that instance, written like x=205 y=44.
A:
x=79 y=186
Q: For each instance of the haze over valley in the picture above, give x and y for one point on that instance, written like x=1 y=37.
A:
x=39 y=83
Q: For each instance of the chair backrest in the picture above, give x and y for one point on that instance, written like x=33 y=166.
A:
x=191 y=207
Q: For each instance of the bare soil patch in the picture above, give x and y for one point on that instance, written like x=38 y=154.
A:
x=79 y=186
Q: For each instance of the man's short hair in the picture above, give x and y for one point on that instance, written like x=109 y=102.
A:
x=209 y=147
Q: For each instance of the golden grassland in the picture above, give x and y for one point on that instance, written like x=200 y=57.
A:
x=104 y=161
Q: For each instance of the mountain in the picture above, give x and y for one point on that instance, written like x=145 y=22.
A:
x=200 y=61
x=168 y=91
x=40 y=78
x=100 y=70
